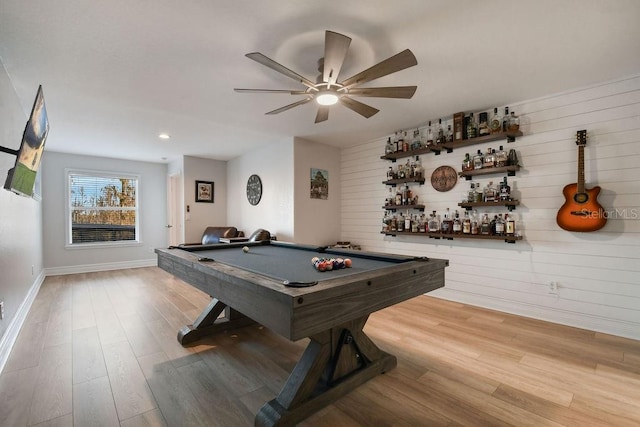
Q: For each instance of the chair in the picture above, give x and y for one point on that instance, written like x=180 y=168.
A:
x=259 y=235
x=212 y=235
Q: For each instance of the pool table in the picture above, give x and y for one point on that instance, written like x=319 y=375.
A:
x=276 y=285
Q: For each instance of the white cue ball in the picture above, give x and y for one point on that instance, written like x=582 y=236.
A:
x=245 y=249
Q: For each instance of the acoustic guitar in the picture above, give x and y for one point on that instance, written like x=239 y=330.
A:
x=581 y=210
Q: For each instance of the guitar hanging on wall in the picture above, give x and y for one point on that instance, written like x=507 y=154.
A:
x=581 y=210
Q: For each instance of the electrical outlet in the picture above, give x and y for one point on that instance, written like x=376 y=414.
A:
x=553 y=288
x=1 y=310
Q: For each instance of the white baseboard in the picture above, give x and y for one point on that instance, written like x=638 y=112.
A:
x=90 y=268
x=563 y=317
x=11 y=334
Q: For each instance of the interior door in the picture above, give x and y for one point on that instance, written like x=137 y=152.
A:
x=173 y=207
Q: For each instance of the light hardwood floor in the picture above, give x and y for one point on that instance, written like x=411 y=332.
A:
x=100 y=349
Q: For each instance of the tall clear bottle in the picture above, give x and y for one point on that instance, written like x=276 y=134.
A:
x=433 y=225
x=429 y=134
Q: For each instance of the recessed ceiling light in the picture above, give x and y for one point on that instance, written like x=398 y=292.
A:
x=164 y=136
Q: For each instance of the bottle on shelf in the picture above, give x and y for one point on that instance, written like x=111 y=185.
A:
x=446 y=225
x=390 y=174
x=512 y=158
x=396 y=147
x=422 y=224
x=457 y=223
x=433 y=225
x=510 y=224
x=398 y=197
x=400 y=222
x=483 y=124
x=489 y=159
x=388 y=148
x=472 y=127
x=429 y=134
x=439 y=133
x=391 y=198
x=490 y=192
x=405 y=193
x=505 y=190
x=495 y=124
x=416 y=143
x=478 y=160
x=407 y=222
x=471 y=195
x=419 y=170
x=493 y=225
x=466 y=223
x=505 y=119
x=485 y=225
x=475 y=226
x=499 y=227
x=467 y=163
x=514 y=122
x=448 y=135
x=502 y=158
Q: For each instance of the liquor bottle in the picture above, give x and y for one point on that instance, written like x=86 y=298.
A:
x=492 y=226
x=490 y=192
x=447 y=223
x=400 y=222
x=419 y=170
x=502 y=158
x=429 y=134
x=439 y=133
x=489 y=159
x=407 y=222
x=475 y=227
x=505 y=190
x=514 y=122
x=388 y=149
x=390 y=198
x=400 y=141
x=510 y=224
x=416 y=143
x=500 y=229
x=405 y=193
x=433 y=225
x=422 y=224
x=398 y=197
x=467 y=163
x=472 y=128
x=394 y=224
x=478 y=160
x=485 y=225
x=408 y=170
x=513 y=157
x=495 y=124
x=483 y=125
x=395 y=142
x=466 y=223
x=448 y=135
x=471 y=195
x=457 y=224
x=389 y=173
x=385 y=222
x=505 y=119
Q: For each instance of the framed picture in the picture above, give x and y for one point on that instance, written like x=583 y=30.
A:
x=319 y=184
x=204 y=191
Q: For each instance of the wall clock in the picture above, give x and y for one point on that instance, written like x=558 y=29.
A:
x=444 y=178
x=254 y=189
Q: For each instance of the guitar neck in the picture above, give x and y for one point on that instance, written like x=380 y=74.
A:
x=581 y=169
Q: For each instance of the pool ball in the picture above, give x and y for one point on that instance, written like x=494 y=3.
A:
x=347 y=262
x=314 y=260
x=245 y=249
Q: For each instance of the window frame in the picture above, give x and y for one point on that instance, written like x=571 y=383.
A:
x=68 y=208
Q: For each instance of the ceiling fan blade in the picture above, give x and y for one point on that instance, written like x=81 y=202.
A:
x=405 y=92
x=360 y=108
x=322 y=114
x=268 y=62
x=402 y=60
x=290 y=92
x=290 y=106
x=335 y=50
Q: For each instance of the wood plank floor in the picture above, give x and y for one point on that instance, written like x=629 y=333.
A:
x=100 y=349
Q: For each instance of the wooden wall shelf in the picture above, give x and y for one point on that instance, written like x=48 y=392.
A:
x=510 y=204
x=451 y=236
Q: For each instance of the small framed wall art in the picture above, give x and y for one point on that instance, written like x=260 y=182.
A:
x=204 y=191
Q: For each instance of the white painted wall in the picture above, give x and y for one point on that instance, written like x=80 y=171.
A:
x=203 y=215
x=153 y=215
x=20 y=223
x=274 y=165
x=316 y=221
x=598 y=273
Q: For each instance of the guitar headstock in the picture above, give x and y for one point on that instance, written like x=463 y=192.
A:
x=581 y=138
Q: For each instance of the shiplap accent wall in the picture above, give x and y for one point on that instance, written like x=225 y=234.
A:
x=598 y=273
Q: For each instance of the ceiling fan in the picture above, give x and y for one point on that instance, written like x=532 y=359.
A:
x=328 y=91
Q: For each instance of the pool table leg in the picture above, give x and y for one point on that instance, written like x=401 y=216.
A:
x=334 y=363
x=209 y=323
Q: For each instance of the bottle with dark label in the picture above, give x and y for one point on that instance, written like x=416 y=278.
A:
x=512 y=158
x=446 y=224
x=467 y=163
x=499 y=226
x=472 y=127
x=439 y=133
x=485 y=225
x=505 y=190
x=483 y=124
x=510 y=224
x=457 y=224
x=505 y=119
x=388 y=149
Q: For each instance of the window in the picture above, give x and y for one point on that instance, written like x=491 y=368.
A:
x=102 y=208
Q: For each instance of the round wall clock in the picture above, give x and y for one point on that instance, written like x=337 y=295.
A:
x=444 y=178
x=254 y=189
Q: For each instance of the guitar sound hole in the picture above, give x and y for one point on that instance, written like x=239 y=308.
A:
x=581 y=197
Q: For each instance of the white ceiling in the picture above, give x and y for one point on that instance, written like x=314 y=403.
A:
x=116 y=73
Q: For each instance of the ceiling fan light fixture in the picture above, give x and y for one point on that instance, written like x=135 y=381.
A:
x=327 y=98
